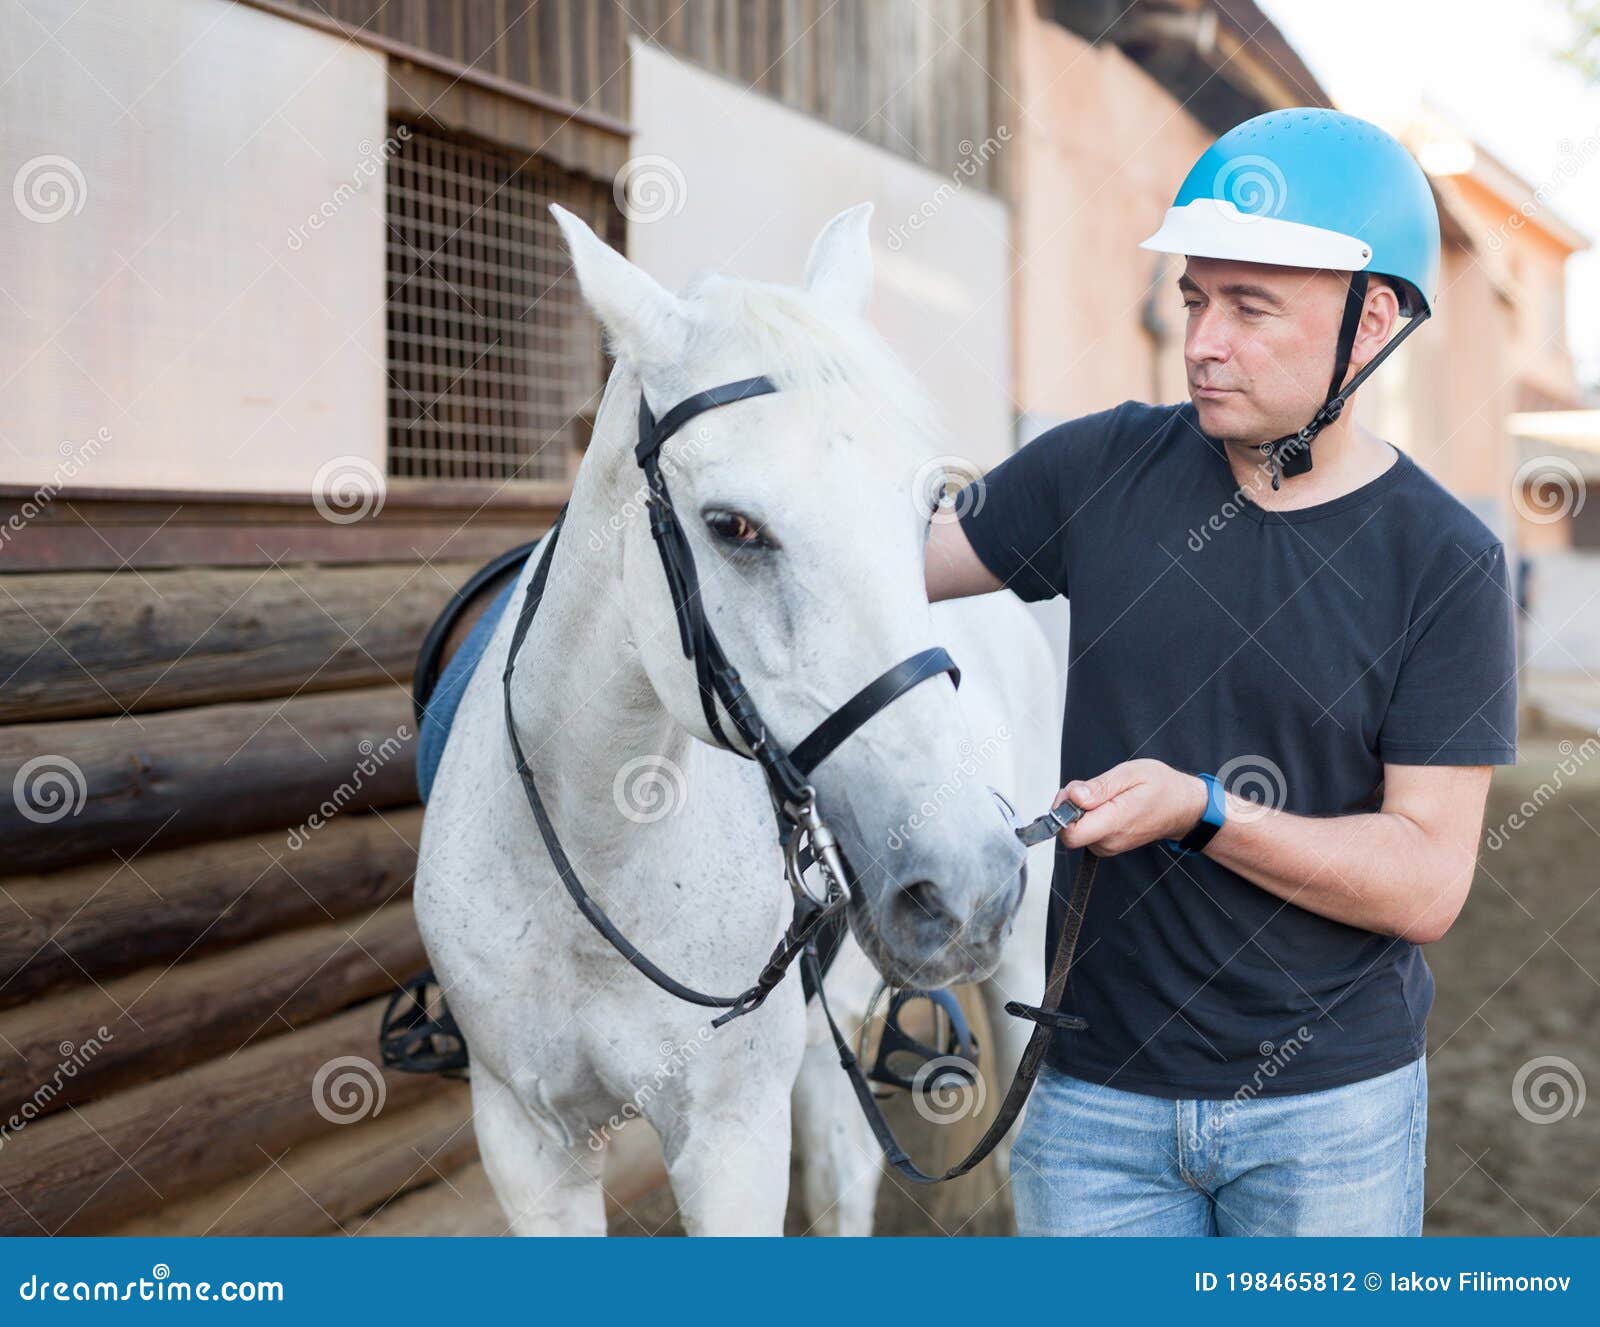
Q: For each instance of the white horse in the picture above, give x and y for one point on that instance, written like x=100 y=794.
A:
x=807 y=524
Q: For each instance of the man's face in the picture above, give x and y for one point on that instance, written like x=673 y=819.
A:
x=1259 y=345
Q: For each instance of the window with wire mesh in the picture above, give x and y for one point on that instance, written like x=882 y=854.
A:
x=495 y=363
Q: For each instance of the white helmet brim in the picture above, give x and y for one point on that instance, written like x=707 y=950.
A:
x=1215 y=228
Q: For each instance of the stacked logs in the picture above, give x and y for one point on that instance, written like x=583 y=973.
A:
x=204 y=900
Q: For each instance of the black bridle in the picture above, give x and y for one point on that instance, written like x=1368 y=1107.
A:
x=803 y=834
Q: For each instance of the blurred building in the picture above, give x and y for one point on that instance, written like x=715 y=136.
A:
x=1519 y=443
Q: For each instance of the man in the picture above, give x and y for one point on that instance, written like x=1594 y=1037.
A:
x=1287 y=684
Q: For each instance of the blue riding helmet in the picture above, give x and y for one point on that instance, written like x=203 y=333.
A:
x=1313 y=188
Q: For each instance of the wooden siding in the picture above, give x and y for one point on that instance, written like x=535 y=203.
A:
x=924 y=80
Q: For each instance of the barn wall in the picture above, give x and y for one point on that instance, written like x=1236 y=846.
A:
x=743 y=185
x=917 y=79
x=192 y=930
x=196 y=282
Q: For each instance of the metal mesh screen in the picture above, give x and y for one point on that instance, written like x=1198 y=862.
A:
x=495 y=363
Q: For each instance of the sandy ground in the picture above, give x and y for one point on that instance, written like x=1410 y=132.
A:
x=1519 y=980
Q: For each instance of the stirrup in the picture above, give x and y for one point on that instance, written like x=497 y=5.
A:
x=414 y=1041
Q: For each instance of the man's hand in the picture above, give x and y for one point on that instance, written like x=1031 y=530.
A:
x=1132 y=804
x=1402 y=871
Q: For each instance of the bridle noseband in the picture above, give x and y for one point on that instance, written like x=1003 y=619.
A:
x=803 y=833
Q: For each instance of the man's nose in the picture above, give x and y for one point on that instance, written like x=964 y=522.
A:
x=1206 y=339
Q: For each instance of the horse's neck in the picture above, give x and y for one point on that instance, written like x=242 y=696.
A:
x=586 y=712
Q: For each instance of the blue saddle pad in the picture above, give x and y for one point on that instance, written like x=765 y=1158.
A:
x=440 y=712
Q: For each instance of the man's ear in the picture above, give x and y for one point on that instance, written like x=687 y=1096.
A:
x=839 y=270
x=1379 y=315
x=646 y=325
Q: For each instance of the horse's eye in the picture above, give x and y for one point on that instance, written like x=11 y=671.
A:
x=733 y=528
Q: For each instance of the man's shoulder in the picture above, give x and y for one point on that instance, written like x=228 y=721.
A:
x=1438 y=519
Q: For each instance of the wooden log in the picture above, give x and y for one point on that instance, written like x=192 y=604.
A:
x=89 y=1170
x=464 y=1208
x=76 y=645
x=94 y=787
x=327 y=1185
x=109 y=918
x=86 y=1043
x=111 y=530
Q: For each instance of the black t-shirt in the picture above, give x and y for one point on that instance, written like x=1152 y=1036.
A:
x=1290 y=653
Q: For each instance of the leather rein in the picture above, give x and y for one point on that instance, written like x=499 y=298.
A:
x=802 y=832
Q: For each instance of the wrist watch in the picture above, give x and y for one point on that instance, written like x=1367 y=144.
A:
x=1211 y=819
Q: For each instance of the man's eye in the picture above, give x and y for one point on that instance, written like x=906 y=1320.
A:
x=733 y=528
x=1252 y=313
x=1191 y=304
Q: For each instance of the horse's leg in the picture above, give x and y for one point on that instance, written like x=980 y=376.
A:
x=728 y=1159
x=839 y=1157
x=544 y=1187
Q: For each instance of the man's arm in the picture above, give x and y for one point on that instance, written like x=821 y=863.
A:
x=951 y=567
x=1404 y=870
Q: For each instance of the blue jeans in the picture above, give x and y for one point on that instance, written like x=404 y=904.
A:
x=1093 y=1160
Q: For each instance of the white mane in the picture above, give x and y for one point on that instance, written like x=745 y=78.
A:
x=808 y=347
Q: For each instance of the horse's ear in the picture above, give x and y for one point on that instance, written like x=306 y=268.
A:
x=839 y=269
x=647 y=325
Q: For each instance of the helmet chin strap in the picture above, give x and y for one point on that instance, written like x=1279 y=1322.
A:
x=1290 y=455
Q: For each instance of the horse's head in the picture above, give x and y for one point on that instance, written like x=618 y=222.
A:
x=807 y=511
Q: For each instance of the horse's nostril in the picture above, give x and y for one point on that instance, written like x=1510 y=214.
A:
x=923 y=901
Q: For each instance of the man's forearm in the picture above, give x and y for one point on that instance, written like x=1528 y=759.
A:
x=1381 y=871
